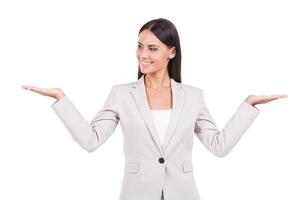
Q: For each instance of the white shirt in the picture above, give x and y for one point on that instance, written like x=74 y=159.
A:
x=161 y=119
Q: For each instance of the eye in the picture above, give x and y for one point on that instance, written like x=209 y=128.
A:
x=153 y=49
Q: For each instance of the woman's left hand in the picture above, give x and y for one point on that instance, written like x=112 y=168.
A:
x=254 y=100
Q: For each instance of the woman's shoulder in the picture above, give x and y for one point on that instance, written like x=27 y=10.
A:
x=191 y=87
x=123 y=87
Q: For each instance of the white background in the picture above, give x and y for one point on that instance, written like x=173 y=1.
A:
x=230 y=49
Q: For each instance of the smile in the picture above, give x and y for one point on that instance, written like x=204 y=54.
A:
x=145 y=63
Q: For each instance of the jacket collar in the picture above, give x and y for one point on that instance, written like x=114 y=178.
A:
x=140 y=97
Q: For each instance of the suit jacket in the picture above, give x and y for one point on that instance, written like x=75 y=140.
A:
x=151 y=167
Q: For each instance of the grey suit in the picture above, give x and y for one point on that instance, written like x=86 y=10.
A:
x=151 y=167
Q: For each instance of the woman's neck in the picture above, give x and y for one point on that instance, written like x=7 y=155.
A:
x=157 y=81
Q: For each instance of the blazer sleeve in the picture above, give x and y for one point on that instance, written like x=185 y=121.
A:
x=89 y=135
x=220 y=142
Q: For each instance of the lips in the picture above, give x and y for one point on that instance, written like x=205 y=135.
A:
x=145 y=64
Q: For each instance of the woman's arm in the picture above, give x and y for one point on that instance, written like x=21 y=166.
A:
x=88 y=135
x=220 y=142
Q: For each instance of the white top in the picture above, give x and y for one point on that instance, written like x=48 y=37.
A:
x=161 y=119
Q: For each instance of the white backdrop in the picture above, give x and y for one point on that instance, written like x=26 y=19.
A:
x=230 y=49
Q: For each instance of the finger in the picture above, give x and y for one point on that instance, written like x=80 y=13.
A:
x=29 y=87
x=279 y=96
x=34 y=89
x=283 y=96
x=275 y=97
x=26 y=87
x=39 y=90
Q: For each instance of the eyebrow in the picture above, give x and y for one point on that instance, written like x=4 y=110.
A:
x=151 y=45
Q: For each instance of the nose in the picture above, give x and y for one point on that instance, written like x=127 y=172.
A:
x=143 y=53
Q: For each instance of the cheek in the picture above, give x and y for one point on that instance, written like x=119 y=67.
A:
x=162 y=59
x=158 y=57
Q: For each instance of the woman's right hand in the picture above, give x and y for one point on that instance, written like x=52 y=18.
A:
x=56 y=93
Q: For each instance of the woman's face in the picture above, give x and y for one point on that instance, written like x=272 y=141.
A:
x=153 y=55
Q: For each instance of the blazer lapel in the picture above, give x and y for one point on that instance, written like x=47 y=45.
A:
x=177 y=101
x=139 y=95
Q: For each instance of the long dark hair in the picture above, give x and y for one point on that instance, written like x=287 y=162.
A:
x=167 y=33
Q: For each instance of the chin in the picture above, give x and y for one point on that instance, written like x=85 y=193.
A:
x=148 y=70
x=145 y=71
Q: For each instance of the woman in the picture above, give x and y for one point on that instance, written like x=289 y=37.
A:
x=158 y=116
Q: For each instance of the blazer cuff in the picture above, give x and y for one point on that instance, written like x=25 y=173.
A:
x=252 y=111
x=61 y=103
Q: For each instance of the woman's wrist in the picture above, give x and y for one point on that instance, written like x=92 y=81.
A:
x=59 y=96
x=249 y=100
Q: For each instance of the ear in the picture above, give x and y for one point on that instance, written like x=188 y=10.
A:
x=173 y=53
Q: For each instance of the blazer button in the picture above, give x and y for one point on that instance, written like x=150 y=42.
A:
x=161 y=160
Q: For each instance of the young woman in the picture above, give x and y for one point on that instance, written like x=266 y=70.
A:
x=159 y=116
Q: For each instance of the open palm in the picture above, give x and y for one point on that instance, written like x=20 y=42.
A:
x=56 y=93
x=254 y=100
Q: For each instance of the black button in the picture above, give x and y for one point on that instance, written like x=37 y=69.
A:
x=161 y=160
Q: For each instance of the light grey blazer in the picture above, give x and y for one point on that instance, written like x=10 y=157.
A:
x=151 y=167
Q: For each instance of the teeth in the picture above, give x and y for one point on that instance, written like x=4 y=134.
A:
x=143 y=63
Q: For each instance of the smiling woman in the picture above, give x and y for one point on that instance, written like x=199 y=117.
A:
x=159 y=116
x=152 y=52
x=159 y=46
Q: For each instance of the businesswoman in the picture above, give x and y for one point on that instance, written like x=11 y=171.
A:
x=159 y=116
